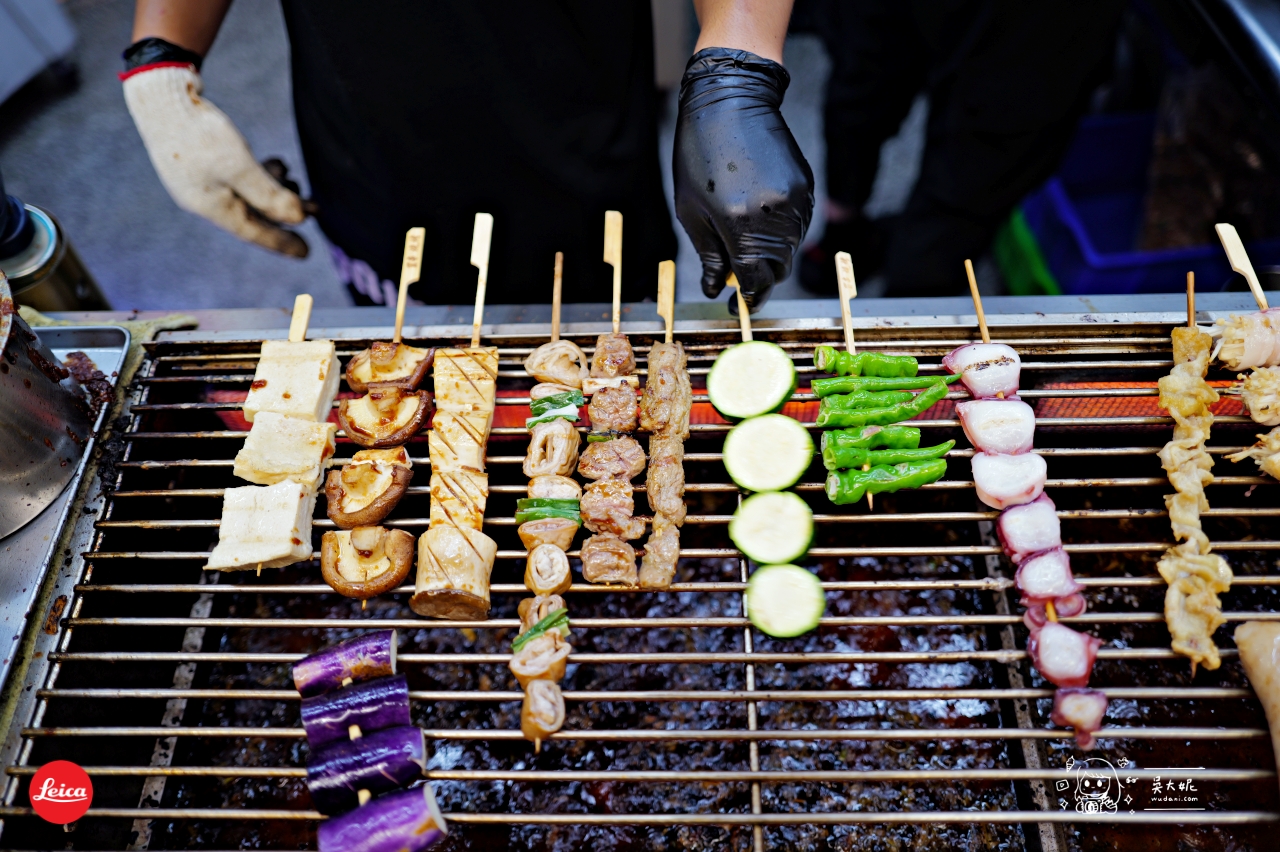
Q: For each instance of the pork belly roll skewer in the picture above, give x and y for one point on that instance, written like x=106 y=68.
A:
x=542 y=713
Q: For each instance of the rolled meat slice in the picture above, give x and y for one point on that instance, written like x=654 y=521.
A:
x=607 y=506
x=372 y=706
x=559 y=361
x=554 y=488
x=1047 y=577
x=353 y=660
x=554 y=531
x=542 y=713
x=661 y=554
x=553 y=449
x=621 y=458
x=1259 y=644
x=1003 y=480
x=668 y=396
x=542 y=658
x=1029 y=529
x=1063 y=656
x=998 y=425
x=454 y=564
x=377 y=762
x=608 y=559
x=664 y=484
x=988 y=369
x=532 y=610
x=1082 y=709
x=408 y=821
x=546 y=570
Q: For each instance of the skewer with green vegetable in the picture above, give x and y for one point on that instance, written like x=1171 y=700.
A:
x=849 y=486
x=833 y=415
x=828 y=359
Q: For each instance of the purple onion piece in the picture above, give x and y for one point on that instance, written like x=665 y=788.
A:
x=377 y=762
x=408 y=821
x=373 y=705
x=362 y=658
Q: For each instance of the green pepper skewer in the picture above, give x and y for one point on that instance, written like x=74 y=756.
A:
x=849 y=486
x=841 y=458
x=873 y=438
x=557 y=619
x=866 y=399
x=831 y=360
x=829 y=416
x=855 y=384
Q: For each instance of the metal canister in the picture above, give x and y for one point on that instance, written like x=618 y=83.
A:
x=48 y=274
x=45 y=421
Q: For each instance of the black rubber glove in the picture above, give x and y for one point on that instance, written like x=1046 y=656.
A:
x=744 y=192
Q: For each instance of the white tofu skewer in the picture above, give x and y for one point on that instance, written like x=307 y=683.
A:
x=295 y=377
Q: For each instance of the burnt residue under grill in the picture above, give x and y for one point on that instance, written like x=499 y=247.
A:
x=914 y=612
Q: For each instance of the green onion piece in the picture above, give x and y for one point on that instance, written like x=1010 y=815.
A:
x=553 y=620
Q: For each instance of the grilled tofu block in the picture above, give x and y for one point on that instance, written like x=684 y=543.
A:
x=466 y=379
x=295 y=379
x=458 y=497
x=283 y=448
x=264 y=527
x=457 y=440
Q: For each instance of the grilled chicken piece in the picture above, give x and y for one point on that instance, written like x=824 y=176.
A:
x=542 y=713
x=281 y=448
x=532 y=610
x=386 y=416
x=458 y=497
x=457 y=440
x=613 y=357
x=613 y=410
x=386 y=362
x=454 y=564
x=264 y=527
x=368 y=487
x=554 y=488
x=608 y=559
x=559 y=361
x=621 y=458
x=608 y=505
x=555 y=531
x=661 y=553
x=365 y=561
x=664 y=485
x=542 y=658
x=553 y=449
x=546 y=570
x=296 y=379
x=667 y=397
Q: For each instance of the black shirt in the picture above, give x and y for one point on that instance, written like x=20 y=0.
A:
x=541 y=113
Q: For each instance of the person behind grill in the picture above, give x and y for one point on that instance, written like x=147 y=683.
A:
x=541 y=113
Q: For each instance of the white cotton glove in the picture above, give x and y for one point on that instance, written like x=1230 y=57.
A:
x=205 y=163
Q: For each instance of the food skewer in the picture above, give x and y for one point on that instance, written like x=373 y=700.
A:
x=848 y=292
x=667 y=295
x=301 y=317
x=410 y=272
x=744 y=316
x=613 y=257
x=481 y=236
x=555 y=297
x=1239 y=259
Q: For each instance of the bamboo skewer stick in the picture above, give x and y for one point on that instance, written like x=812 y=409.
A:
x=301 y=318
x=1239 y=259
x=481 y=236
x=977 y=307
x=848 y=292
x=613 y=257
x=1191 y=300
x=555 y=297
x=667 y=295
x=410 y=271
x=744 y=316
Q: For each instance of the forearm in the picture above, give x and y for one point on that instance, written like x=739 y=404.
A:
x=192 y=24
x=758 y=26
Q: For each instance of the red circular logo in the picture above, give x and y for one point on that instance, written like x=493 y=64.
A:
x=61 y=792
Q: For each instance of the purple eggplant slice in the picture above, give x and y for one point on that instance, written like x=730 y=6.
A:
x=362 y=658
x=408 y=821
x=372 y=705
x=378 y=762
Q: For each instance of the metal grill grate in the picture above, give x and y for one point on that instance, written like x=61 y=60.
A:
x=911 y=707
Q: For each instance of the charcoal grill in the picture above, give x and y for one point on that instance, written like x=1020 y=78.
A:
x=910 y=718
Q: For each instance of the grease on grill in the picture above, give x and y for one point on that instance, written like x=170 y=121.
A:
x=93 y=380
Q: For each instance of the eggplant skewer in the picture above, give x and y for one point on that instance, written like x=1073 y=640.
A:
x=365 y=657
x=344 y=774
x=368 y=706
x=408 y=821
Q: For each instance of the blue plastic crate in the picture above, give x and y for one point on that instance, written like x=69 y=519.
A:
x=1086 y=219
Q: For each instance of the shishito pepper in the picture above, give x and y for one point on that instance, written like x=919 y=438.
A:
x=836 y=459
x=858 y=384
x=556 y=620
x=828 y=359
x=872 y=438
x=866 y=399
x=537 y=508
x=850 y=486
x=829 y=415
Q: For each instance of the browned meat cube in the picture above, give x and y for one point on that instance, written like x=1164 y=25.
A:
x=608 y=559
x=661 y=553
x=665 y=482
x=613 y=357
x=667 y=397
x=613 y=410
x=607 y=506
x=621 y=458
